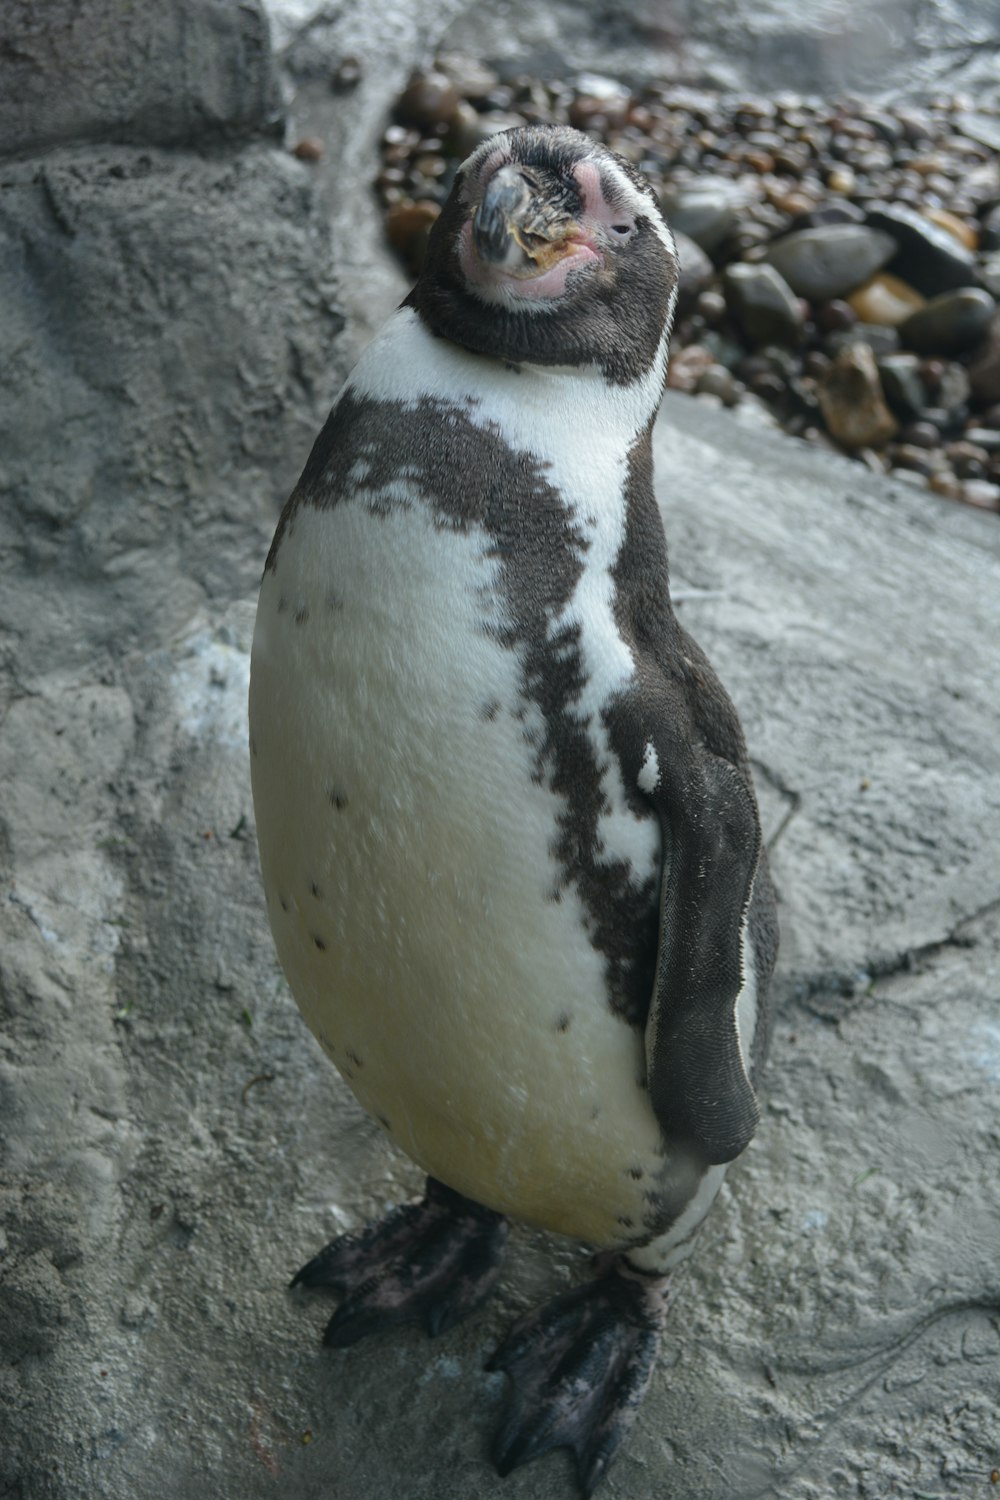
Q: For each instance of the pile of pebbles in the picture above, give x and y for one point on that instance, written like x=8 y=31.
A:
x=840 y=262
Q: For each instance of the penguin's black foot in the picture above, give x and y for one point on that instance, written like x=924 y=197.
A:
x=431 y=1262
x=579 y=1368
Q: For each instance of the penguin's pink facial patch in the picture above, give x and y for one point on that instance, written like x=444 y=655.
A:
x=598 y=214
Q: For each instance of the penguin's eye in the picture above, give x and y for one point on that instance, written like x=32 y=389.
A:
x=623 y=231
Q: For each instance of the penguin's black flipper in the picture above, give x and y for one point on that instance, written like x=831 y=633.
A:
x=698 y=1084
x=433 y=1262
x=579 y=1368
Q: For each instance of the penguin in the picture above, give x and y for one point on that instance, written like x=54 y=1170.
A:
x=508 y=834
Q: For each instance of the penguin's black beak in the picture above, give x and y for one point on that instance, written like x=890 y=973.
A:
x=523 y=223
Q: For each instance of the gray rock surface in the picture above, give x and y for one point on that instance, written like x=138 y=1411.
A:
x=174 y=1144
x=157 y=74
x=829 y=261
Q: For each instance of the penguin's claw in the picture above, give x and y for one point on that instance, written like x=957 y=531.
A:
x=433 y=1262
x=579 y=1369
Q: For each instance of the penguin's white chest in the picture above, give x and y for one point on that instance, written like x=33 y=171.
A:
x=406 y=841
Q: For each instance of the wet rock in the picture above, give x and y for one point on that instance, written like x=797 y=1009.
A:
x=968 y=460
x=947 y=484
x=987 y=438
x=919 y=460
x=835 y=316
x=953 y=225
x=844 y=212
x=989 y=231
x=429 y=99
x=880 y=339
x=706 y=210
x=904 y=388
x=918 y=434
x=599 y=103
x=696 y=269
x=711 y=305
x=472 y=78
x=842 y=179
x=831 y=259
x=763 y=304
x=949 y=385
x=928 y=257
x=981 y=493
x=853 y=405
x=949 y=324
x=984 y=371
x=726 y=350
x=687 y=367
x=885 y=300
x=717 y=381
x=469 y=129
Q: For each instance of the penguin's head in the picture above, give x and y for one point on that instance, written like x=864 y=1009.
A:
x=552 y=250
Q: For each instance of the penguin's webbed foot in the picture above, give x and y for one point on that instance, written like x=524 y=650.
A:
x=432 y=1262
x=579 y=1368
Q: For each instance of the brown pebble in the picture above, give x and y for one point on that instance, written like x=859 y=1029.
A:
x=408 y=225
x=885 y=300
x=924 y=461
x=428 y=99
x=852 y=402
x=946 y=484
x=956 y=227
x=841 y=180
x=310 y=148
x=346 y=75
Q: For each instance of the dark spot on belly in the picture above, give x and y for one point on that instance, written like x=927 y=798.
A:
x=563 y=1022
x=333 y=603
x=284 y=903
x=347 y=1072
x=635 y=1173
x=383 y=1121
x=354 y=1058
x=314 y=890
x=337 y=799
x=319 y=943
x=488 y=711
x=555 y=894
x=253 y=745
x=595 y=1111
x=640 y=1082
x=626 y=1222
x=282 y=605
x=301 y=614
